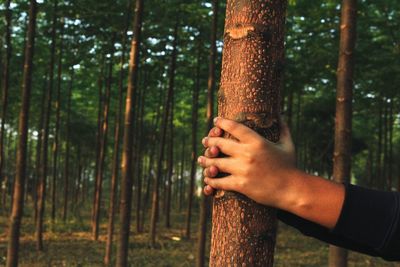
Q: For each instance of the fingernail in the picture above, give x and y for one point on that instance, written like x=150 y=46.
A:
x=200 y=159
x=204 y=141
x=205 y=180
x=216 y=131
x=215 y=120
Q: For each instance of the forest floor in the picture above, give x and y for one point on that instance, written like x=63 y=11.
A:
x=70 y=244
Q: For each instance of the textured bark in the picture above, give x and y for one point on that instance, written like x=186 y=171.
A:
x=57 y=127
x=17 y=208
x=103 y=148
x=390 y=156
x=5 y=86
x=45 y=137
x=343 y=119
x=126 y=165
x=205 y=200
x=67 y=149
x=156 y=185
x=243 y=231
x=115 y=162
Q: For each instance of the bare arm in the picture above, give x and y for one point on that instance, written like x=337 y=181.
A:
x=266 y=172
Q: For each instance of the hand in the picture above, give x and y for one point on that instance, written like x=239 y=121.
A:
x=256 y=167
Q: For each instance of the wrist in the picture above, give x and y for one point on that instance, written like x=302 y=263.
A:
x=313 y=198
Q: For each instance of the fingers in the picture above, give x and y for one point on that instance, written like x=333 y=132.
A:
x=215 y=132
x=211 y=152
x=211 y=171
x=239 y=131
x=223 y=164
x=228 y=183
x=227 y=146
x=208 y=190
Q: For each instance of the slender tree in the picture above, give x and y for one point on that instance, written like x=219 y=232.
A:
x=115 y=162
x=170 y=164
x=5 y=86
x=205 y=201
x=193 y=166
x=45 y=140
x=67 y=148
x=103 y=148
x=57 y=126
x=343 y=120
x=243 y=231
x=126 y=165
x=157 y=180
x=18 y=204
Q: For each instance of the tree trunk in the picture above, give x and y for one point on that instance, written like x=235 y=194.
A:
x=17 y=208
x=103 y=149
x=115 y=163
x=6 y=84
x=57 y=127
x=205 y=200
x=155 y=200
x=126 y=165
x=67 y=149
x=252 y=70
x=170 y=164
x=44 y=148
x=344 y=95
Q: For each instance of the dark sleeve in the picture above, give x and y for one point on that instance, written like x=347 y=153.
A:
x=369 y=223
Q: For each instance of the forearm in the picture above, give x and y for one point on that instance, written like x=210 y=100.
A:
x=313 y=198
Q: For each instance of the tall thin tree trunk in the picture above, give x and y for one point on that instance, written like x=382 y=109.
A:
x=126 y=165
x=205 y=200
x=193 y=167
x=244 y=231
x=140 y=161
x=390 y=156
x=115 y=162
x=38 y=154
x=18 y=204
x=44 y=148
x=57 y=127
x=67 y=148
x=103 y=149
x=5 y=85
x=343 y=120
x=170 y=164
x=181 y=180
x=155 y=199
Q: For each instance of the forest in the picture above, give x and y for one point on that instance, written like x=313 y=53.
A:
x=104 y=105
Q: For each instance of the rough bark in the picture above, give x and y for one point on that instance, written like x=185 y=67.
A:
x=126 y=165
x=45 y=137
x=243 y=231
x=17 y=208
x=343 y=119
x=5 y=85
x=57 y=127
x=156 y=185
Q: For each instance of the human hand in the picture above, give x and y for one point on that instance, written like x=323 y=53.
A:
x=256 y=167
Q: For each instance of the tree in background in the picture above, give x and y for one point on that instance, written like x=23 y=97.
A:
x=126 y=165
x=19 y=185
x=344 y=98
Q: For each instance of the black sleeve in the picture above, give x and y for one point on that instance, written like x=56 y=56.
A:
x=369 y=223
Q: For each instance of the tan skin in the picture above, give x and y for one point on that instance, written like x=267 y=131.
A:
x=266 y=172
